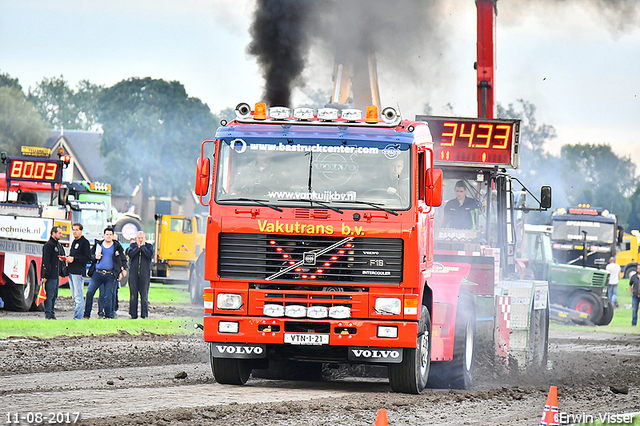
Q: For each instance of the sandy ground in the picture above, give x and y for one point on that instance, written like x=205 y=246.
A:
x=166 y=380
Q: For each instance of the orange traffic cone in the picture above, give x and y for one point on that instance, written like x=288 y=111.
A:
x=550 y=414
x=381 y=418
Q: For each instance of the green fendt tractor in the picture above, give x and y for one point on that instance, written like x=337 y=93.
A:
x=574 y=287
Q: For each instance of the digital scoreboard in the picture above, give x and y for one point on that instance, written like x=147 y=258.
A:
x=474 y=141
x=32 y=169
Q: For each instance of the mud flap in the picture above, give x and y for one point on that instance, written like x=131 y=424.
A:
x=238 y=350
x=376 y=355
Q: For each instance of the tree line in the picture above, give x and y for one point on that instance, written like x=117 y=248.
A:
x=152 y=130
x=582 y=173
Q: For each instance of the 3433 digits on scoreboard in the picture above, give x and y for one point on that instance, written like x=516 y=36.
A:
x=474 y=141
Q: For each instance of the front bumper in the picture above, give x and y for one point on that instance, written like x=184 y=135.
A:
x=351 y=332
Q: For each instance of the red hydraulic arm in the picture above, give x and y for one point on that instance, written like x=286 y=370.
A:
x=486 y=63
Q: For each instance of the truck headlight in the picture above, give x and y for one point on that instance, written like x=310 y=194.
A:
x=339 y=312
x=229 y=301
x=295 y=311
x=317 y=312
x=273 y=310
x=388 y=306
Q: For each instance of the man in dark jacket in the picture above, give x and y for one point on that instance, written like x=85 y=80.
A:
x=51 y=270
x=140 y=254
x=79 y=256
x=110 y=265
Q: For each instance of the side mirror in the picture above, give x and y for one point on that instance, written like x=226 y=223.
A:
x=545 y=197
x=63 y=195
x=620 y=234
x=434 y=187
x=202 y=176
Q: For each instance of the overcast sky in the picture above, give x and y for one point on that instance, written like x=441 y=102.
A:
x=577 y=62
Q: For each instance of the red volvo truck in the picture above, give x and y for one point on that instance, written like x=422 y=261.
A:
x=321 y=247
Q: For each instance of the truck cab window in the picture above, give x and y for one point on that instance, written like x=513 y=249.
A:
x=286 y=173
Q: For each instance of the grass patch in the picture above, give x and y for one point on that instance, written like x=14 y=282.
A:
x=48 y=329
x=159 y=295
x=621 y=322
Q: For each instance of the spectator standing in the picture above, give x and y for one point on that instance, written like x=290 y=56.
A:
x=140 y=254
x=614 y=279
x=634 y=289
x=52 y=263
x=79 y=256
x=110 y=265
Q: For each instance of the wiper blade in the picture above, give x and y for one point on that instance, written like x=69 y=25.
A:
x=253 y=200
x=320 y=203
x=375 y=205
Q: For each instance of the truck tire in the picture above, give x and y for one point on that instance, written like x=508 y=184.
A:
x=20 y=297
x=538 y=339
x=630 y=271
x=412 y=374
x=229 y=371
x=458 y=373
x=586 y=302
x=195 y=291
x=128 y=227
x=607 y=315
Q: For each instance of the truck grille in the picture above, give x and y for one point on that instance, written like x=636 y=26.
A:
x=599 y=279
x=265 y=257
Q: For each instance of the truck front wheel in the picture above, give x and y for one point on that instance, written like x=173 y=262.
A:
x=630 y=271
x=412 y=374
x=229 y=371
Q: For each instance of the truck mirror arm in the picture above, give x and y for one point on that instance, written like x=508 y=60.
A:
x=528 y=209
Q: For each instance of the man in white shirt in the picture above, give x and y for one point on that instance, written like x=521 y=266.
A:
x=614 y=276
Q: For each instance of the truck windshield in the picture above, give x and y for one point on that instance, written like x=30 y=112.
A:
x=572 y=230
x=288 y=173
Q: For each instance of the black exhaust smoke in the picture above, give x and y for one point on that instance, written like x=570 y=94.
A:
x=280 y=38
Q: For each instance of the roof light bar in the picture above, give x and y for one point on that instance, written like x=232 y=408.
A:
x=351 y=114
x=328 y=114
x=302 y=113
x=279 y=113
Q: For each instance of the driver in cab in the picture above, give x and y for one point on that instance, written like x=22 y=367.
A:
x=393 y=182
x=460 y=212
x=259 y=173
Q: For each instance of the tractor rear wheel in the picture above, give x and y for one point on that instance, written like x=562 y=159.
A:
x=586 y=302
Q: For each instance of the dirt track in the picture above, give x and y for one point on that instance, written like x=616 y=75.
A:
x=163 y=380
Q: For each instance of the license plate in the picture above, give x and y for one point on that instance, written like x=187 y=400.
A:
x=306 y=339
